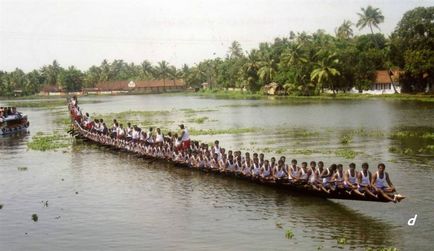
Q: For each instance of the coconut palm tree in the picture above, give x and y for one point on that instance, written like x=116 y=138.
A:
x=324 y=71
x=267 y=69
x=163 y=70
x=147 y=71
x=235 y=50
x=294 y=55
x=370 y=17
x=345 y=31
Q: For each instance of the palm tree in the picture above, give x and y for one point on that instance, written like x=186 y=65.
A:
x=147 y=71
x=267 y=70
x=163 y=70
x=344 y=31
x=370 y=17
x=324 y=71
x=51 y=73
x=235 y=50
x=294 y=55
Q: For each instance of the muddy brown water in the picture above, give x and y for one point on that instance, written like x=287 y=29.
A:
x=104 y=200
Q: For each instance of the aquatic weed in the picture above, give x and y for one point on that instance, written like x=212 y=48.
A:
x=45 y=142
x=341 y=241
x=196 y=132
x=345 y=139
x=303 y=151
x=346 y=153
x=35 y=217
x=289 y=234
x=199 y=120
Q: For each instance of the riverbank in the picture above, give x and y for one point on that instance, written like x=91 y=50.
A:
x=325 y=96
x=224 y=94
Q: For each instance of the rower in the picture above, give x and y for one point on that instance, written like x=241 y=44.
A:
x=338 y=178
x=350 y=180
x=314 y=176
x=382 y=184
x=280 y=172
x=293 y=170
x=256 y=167
x=216 y=149
x=261 y=159
x=326 y=176
x=273 y=165
x=129 y=131
x=230 y=164
x=303 y=174
x=185 y=137
x=266 y=170
x=159 y=138
x=364 y=179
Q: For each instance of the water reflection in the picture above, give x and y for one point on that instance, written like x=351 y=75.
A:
x=316 y=218
x=136 y=200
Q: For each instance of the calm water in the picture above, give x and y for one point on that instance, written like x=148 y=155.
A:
x=103 y=200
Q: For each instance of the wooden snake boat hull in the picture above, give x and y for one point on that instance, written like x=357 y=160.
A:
x=304 y=189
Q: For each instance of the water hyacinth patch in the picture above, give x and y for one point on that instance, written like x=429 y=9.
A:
x=46 y=142
x=289 y=234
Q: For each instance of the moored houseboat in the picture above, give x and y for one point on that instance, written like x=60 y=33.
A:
x=12 y=121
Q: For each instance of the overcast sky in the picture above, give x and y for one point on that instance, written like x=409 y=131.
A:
x=83 y=33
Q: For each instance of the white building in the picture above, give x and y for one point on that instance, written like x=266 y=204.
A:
x=382 y=84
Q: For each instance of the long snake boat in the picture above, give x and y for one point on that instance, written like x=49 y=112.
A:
x=78 y=131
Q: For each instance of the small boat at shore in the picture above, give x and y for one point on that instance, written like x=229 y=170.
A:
x=12 y=121
x=81 y=132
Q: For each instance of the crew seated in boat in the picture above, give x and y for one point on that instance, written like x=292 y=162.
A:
x=197 y=155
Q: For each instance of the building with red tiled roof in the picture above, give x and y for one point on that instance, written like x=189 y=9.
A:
x=126 y=86
x=382 y=83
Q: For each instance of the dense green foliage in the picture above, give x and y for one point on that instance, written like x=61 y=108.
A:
x=412 y=45
x=301 y=64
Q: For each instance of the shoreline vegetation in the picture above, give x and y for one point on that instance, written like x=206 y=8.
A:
x=51 y=101
x=299 y=64
x=225 y=94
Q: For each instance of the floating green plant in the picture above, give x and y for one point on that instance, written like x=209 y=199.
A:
x=289 y=234
x=303 y=151
x=382 y=249
x=222 y=131
x=346 y=139
x=199 y=120
x=22 y=168
x=35 y=217
x=346 y=153
x=341 y=241
x=45 y=142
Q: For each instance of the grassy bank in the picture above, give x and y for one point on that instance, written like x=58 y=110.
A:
x=325 y=96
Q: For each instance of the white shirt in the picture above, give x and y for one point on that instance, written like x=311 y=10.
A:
x=186 y=135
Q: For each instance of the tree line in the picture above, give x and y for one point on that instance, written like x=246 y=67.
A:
x=303 y=63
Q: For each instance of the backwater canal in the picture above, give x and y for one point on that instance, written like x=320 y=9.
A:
x=104 y=200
